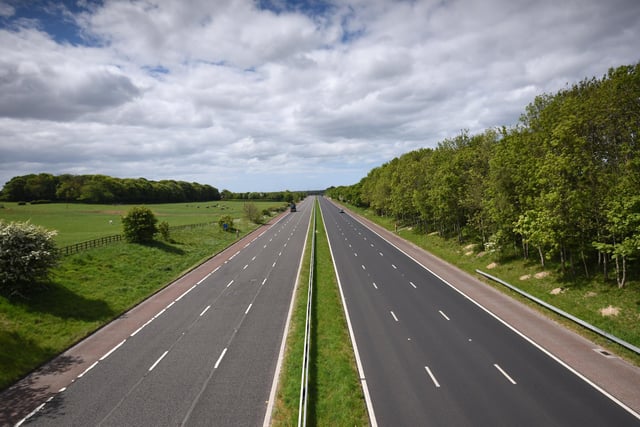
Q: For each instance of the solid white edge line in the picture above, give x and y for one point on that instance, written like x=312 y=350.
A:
x=158 y=361
x=285 y=332
x=433 y=378
x=107 y=354
x=186 y=292
x=205 y=310
x=170 y=304
x=88 y=369
x=504 y=373
x=205 y=277
x=220 y=358
x=499 y=319
x=141 y=327
x=363 y=380
x=443 y=315
x=159 y=313
x=31 y=414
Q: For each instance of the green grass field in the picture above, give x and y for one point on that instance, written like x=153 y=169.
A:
x=89 y=289
x=81 y=222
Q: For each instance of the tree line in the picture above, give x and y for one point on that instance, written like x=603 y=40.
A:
x=103 y=189
x=562 y=184
x=45 y=187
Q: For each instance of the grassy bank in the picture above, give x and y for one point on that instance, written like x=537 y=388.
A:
x=583 y=298
x=88 y=290
x=335 y=395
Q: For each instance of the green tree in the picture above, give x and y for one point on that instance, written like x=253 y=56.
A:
x=252 y=213
x=139 y=225
x=27 y=253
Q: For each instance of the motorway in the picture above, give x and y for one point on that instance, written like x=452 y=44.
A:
x=206 y=358
x=431 y=356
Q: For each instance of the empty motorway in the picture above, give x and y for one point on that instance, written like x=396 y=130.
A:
x=431 y=356
x=208 y=357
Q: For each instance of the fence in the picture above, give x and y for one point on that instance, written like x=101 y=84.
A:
x=103 y=241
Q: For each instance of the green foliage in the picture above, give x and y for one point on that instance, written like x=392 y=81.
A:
x=226 y=220
x=163 y=229
x=104 y=189
x=252 y=213
x=27 y=253
x=565 y=181
x=139 y=225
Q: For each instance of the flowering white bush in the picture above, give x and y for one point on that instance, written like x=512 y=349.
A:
x=27 y=253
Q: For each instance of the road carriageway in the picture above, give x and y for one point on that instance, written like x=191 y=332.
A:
x=429 y=355
x=229 y=311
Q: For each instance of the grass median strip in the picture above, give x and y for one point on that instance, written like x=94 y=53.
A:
x=335 y=395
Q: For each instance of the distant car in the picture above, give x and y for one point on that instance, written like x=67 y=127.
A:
x=293 y=207
x=341 y=210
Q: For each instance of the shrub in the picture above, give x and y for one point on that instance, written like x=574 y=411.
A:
x=139 y=225
x=226 y=219
x=163 y=229
x=252 y=213
x=27 y=253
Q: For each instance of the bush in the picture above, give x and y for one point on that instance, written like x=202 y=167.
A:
x=226 y=219
x=252 y=213
x=163 y=229
x=27 y=253
x=139 y=225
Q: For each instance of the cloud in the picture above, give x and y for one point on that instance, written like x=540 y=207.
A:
x=6 y=10
x=262 y=96
x=41 y=80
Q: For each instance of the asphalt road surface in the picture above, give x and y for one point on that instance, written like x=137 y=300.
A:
x=208 y=357
x=431 y=356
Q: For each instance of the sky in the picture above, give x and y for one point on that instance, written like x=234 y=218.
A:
x=272 y=95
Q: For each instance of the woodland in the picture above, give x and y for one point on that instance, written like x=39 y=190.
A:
x=561 y=185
